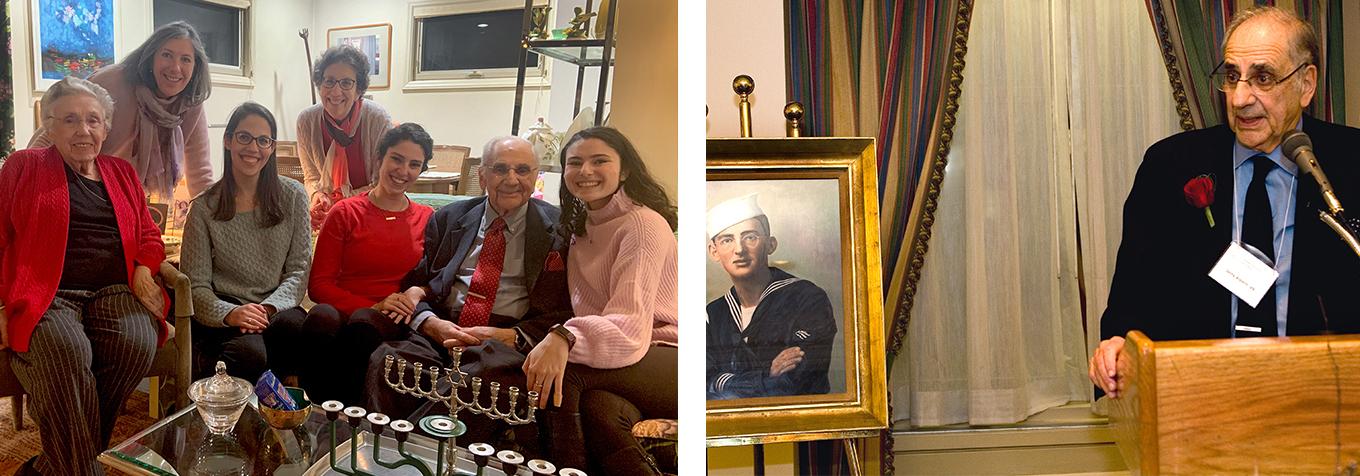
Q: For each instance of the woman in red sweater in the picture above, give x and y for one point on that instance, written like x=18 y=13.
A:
x=78 y=306
x=367 y=244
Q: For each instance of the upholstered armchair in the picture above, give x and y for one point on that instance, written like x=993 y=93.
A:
x=169 y=371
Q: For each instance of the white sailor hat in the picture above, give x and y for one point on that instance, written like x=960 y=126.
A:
x=732 y=212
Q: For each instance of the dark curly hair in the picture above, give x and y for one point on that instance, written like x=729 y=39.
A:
x=640 y=186
x=408 y=131
x=347 y=55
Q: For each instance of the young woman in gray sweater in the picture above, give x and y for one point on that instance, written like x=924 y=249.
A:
x=247 y=249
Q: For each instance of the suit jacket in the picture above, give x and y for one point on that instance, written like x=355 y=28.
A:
x=1161 y=284
x=449 y=237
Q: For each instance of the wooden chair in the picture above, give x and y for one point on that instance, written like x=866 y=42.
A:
x=169 y=370
x=289 y=163
x=449 y=158
x=470 y=183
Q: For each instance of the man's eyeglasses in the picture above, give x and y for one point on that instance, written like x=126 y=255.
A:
x=345 y=84
x=501 y=170
x=264 y=142
x=1261 y=81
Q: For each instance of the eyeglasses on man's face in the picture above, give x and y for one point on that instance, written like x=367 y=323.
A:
x=244 y=138
x=345 y=84
x=501 y=170
x=1225 y=77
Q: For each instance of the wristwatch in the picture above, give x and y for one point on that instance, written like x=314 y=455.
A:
x=566 y=335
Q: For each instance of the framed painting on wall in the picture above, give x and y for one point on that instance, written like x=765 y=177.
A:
x=375 y=41
x=70 y=38
x=794 y=290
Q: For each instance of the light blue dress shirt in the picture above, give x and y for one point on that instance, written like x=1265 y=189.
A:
x=1281 y=185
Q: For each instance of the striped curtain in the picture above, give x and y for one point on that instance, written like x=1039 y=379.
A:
x=1191 y=32
x=882 y=69
x=878 y=68
x=6 y=88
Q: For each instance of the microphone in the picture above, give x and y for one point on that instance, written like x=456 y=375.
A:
x=1299 y=148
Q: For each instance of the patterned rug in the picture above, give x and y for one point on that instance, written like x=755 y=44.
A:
x=15 y=448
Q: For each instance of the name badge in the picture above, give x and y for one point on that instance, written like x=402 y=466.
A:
x=1244 y=274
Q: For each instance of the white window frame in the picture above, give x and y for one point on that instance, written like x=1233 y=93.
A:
x=500 y=78
x=223 y=74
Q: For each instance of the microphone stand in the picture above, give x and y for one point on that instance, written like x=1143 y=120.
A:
x=1346 y=229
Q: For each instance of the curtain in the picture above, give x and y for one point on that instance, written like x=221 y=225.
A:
x=876 y=68
x=1190 y=33
x=1054 y=123
x=6 y=88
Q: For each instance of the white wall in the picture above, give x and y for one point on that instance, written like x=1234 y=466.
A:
x=746 y=38
x=280 y=79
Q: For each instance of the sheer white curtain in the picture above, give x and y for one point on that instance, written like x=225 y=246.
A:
x=997 y=334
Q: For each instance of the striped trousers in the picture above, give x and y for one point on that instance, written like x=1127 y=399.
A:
x=86 y=355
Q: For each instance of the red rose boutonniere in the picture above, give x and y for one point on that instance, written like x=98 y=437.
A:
x=1199 y=192
x=554 y=262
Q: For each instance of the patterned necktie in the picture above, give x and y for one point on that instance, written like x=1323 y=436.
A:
x=1258 y=231
x=481 y=295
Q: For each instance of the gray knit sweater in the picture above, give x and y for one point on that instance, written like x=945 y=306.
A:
x=237 y=258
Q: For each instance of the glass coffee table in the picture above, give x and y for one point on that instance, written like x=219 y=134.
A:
x=180 y=444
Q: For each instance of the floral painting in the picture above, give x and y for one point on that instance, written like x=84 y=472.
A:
x=74 y=38
x=6 y=88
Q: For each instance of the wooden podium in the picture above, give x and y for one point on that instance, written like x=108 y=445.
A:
x=1288 y=405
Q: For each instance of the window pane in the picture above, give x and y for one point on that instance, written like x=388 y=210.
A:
x=482 y=40
x=218 y=25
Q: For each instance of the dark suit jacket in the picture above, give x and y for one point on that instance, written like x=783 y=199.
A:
x=1161 y=284
x=449 y=236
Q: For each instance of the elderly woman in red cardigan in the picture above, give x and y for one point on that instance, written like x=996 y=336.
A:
x=79 y=309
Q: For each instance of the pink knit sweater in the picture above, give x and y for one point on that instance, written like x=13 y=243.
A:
x=622 y=278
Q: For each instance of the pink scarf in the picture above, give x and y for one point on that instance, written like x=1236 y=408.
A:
x=339 y=157
x=160 y=141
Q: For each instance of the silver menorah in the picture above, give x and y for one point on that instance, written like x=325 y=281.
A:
x=457 y=379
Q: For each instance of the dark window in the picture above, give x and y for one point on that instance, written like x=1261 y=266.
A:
x=220 y=26
x=482 y=40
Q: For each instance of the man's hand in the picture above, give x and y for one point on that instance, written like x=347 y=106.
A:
x=146 y=290
x=1104 y=365
x=786 y=361
x=251 y=318
x=4 y=330
x=397 y=307
x=487 y=332
x=544 y=368
x=447 y=332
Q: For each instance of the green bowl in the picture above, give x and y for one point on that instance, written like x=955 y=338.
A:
x=287 y=420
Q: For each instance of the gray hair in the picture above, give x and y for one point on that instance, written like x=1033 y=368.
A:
x=348 y=56
x=73 y=86
x=138 y=64
x=1304 y=44
x=492 y=148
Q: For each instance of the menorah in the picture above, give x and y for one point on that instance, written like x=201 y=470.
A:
x=445 y=429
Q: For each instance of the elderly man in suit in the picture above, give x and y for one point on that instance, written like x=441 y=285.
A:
x=492 y=281
x=1263 y=207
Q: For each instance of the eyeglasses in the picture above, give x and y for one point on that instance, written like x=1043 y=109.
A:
x=264 y=142
x=345 y=84
x=501 y=170
x=1261 y=81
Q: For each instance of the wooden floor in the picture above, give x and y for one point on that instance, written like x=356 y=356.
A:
x=17 y=447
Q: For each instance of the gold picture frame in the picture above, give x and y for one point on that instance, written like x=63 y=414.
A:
x=846 y=169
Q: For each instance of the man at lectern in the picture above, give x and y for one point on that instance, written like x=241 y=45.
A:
x=1222 y=236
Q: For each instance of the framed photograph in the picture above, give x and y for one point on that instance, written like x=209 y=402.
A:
x=794 y=291
x=70 y=38
x=376 y=43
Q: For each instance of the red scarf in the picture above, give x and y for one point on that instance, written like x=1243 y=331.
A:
x=342 y=138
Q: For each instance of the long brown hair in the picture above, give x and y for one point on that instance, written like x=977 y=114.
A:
x=640 y=186
x=268 y=193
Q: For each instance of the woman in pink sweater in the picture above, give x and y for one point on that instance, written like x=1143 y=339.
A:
x=614 y=363
x=367 y=244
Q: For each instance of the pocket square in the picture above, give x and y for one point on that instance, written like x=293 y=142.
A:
x=555 y=262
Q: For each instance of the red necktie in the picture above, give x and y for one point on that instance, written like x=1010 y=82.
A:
x=481 y=294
